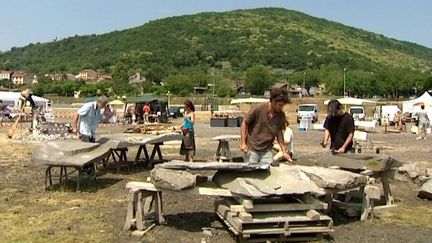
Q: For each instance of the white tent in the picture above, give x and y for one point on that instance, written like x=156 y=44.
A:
x=249 y=100
x=12 y=98
x=352 y=101
x=413 y=106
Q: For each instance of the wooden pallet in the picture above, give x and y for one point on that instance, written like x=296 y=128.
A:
x=287 y=221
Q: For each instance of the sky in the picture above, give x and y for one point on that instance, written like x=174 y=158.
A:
x=30 y=21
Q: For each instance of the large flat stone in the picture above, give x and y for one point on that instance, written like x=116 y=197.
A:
x=172 y=179
x=181 y=165
x=333 y=178
x=373 y=162
x=126 y=140
x=70 y=147
x=152 y=139
x=72 y=153
x=287 y=180
x=426 y=190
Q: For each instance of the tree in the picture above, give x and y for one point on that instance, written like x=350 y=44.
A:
x=156 y=73
x=258 y=79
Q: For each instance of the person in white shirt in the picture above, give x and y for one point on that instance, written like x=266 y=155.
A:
x=289 y=144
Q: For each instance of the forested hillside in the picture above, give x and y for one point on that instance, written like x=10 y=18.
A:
x=286 y=42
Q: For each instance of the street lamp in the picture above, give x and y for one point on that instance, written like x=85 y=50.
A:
x=344 y=86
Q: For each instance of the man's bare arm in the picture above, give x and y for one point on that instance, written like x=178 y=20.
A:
x=347 y=141
x=244 y=130
x=326 y=138
x=75 y=122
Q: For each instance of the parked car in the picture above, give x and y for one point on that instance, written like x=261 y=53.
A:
x=307 y=110
x=175 y=111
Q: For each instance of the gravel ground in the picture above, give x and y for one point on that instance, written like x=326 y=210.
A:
x=28 y=213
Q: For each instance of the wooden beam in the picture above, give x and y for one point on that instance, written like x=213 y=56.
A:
x=246 y=217
x=130 y=209
x=237 y=208
x=312 y=214
x=279 y=207
x=247 y=203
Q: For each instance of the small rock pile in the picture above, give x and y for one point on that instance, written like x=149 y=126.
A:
x=419 y=172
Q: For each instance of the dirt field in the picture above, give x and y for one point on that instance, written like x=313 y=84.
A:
x=28 y=213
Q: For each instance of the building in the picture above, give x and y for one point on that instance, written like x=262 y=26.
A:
x=54 y=76
x=88 y=75
x=239 y=85
x=104 y=76
x=71 y=77
x=5 y=75
x=20 y=77
x=136 y=79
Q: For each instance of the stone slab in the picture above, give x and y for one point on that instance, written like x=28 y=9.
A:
x=426 y=190
x=153 y=139
x=51 y=154
x=126 y=140
x=172 y=179
x=333 y=178
x=373 y=162
x=231 y=166
x=287 y=180
x=70 y=147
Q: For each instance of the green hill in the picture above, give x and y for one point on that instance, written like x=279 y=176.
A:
x=278 y=38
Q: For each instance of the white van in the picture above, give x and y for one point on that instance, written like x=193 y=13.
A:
x=357 y=112
x=307 y=110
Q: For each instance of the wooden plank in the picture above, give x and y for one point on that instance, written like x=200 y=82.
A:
x=280 y=207
x=233 y=221
x=373 y=192
x=141 y=186
x=210 y=189
x=230 y=227
x=237 y=208
x=291 y=230
x=159 y=209
x=139 y=212
x=277 y=238
x=347 y=205
x=130 y=209
x=312 y=214
x=275 y=218
x=246 y=217
x=220 y=192
x=246 y=202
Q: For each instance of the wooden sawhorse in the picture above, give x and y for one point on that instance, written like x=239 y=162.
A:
x=149 y=159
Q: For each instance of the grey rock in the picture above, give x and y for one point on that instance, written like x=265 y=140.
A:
x=286 y=180
x=181 y=165
x=416 y=169
x=333 y=178
x=426 y=190
x=373 y=162
x=172 y=179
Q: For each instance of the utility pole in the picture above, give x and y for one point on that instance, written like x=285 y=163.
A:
x=304 y=82
x=344 y=85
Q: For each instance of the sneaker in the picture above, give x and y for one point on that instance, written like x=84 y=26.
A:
x=418 y=138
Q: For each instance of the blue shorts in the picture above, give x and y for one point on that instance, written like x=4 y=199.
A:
x=255 y=157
